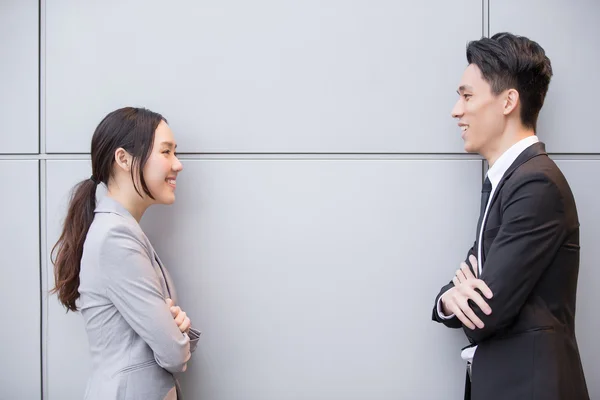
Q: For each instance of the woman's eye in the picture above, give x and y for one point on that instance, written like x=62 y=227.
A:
x=167 y=152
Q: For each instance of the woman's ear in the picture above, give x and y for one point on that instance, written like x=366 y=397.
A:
x=123 y=159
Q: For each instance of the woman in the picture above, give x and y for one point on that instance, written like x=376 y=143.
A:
x=106 y=267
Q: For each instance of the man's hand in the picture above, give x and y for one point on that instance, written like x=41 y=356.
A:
x=181 y=319
x=464 y=271
x=455 y=300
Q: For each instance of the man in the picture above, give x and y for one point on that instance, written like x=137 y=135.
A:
x=514 y=296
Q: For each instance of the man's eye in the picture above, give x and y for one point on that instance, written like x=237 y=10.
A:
x=466 y=96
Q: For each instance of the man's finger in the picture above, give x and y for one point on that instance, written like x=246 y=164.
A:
x=466 y=270
x=460 y=275
x=479 y=284
x=471 y=294
x=451 y=305
x=473 y=261
x=464 y=307
x=461 y=316
x=455 y=281
x=170 y=303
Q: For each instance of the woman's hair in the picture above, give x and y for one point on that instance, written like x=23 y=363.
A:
x=131 y=129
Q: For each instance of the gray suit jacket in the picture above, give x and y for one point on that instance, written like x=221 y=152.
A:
x=135 y=344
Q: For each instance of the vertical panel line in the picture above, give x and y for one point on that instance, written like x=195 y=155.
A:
x=488 y=17
x=42 y=264
x=42 y=189
x=485 y=18
x=42 y=77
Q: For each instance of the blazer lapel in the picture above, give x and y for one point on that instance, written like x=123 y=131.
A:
x=536 y=149
x=165 y=279
x=109 y=205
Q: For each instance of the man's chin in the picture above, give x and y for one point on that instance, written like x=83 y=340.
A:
x=471 y=148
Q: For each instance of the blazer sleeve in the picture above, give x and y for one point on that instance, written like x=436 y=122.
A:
x=133 y=287
x=451 y=322
x=194 y=335
x=531 y=233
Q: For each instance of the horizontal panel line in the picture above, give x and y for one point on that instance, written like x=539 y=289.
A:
x=575 y=156
x=302 y=156
x=265 y=156
x=244 y=153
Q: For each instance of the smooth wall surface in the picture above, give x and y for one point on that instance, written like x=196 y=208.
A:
x=310 y=278
x=19 y=76
x=20 y=355
x=325 y=198
x=263 y=76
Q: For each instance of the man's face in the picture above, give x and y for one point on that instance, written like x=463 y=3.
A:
x=479 y=112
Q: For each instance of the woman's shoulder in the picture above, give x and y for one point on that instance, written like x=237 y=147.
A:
x=113 y=234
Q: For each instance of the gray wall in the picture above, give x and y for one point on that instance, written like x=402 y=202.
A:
x=321 y=169
x=20 y=280
x=19 y=49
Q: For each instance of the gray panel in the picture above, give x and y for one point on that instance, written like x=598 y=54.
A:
x=20 y=282
x=587 y=325
x=262 y=76
x=66 y=350
x=19 y=76
x=309 y=279
x=569 y=119
x=314 y=279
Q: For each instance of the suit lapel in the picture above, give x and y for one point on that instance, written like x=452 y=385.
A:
x=536 y=149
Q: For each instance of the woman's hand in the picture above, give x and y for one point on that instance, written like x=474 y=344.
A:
x=181 y=319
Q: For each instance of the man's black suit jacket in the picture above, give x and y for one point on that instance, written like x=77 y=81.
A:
x=530 y=261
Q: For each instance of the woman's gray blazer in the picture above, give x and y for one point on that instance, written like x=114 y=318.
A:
x=135 y=344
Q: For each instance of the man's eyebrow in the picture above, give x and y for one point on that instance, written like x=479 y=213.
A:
x=462 y=88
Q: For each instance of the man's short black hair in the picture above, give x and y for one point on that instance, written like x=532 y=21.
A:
x=509 y=61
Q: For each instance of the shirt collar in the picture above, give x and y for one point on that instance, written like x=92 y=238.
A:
x=504 y=162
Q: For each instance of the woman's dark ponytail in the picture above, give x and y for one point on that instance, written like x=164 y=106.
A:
x=69 y=247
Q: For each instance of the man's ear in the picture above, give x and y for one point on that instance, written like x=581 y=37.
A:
x=123 y=159
x=511 y=101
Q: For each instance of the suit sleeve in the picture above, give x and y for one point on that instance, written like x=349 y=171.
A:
x=134 y=289
x=531 y=233
x=450 y=322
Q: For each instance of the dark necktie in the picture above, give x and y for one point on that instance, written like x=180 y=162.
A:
x=486 y=189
